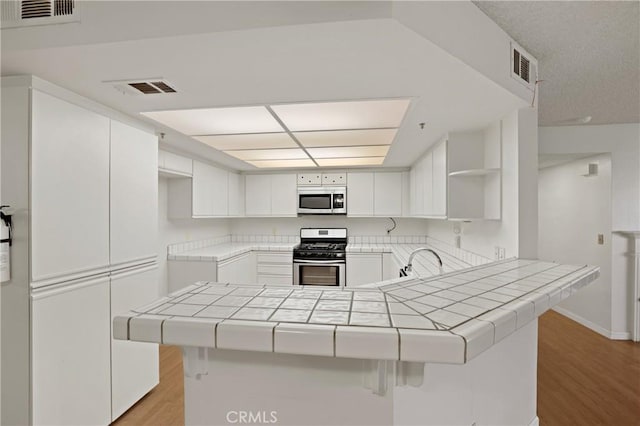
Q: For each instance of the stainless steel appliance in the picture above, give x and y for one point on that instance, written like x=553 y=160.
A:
x=322 y=200
x=320 y=258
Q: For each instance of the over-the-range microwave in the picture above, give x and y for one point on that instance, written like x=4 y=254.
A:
x=322 y=200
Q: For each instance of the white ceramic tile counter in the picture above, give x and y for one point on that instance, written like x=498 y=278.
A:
x=450 y=318
x=219 y=252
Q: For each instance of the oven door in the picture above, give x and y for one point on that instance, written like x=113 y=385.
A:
x=315 y=202
x=319 y=272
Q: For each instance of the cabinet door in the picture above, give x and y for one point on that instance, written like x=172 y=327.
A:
x=134 y=365
x=428 y=184
x=71 y=381
x=69 y=188
x=240 y=269
x=363 y=269
x=220 y=192
x=236 y=195
x=177 y=163
x=284 y=195
x=258 y=195
x=134 y=194
x=360 y=194
x=440 y=180
x=419 y=188
x=387 y=194
x=203 y=190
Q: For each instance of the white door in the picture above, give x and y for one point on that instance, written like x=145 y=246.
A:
x=69 y=189
x=134 y=365
x=360 y=194
x=387 y=194
x=257 y=195
x=71 y=382
x=284 y=195
x=134 y=194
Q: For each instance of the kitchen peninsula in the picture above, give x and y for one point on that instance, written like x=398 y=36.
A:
x=458 y=348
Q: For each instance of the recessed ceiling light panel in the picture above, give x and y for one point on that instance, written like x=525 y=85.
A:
x=343 y=115
x=349 y=151
x=282 y=163
x=249 y=141
x=347 y=137
x=218 y=121
x=347 y=162
x=268 y=154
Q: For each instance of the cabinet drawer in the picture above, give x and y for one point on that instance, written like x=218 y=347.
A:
x=275 y=269
x=284 y=258
x=275 y=280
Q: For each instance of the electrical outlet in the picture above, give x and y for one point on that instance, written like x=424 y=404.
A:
x=601 y=239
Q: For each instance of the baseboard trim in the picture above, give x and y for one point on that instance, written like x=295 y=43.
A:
x=613 y=335
x=535 y=421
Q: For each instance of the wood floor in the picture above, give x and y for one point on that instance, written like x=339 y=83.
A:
x=583 y=379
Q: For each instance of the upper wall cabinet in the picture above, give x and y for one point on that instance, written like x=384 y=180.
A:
x=428 y=181
x=474 y=174
x=211 y=192
x=174 y=165
x=375 y=194
x=271 y=195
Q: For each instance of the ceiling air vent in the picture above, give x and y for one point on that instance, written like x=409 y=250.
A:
x=147 y=86
x=24 y=13
x=522 y=69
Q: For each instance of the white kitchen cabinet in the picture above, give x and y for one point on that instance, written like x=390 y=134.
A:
x=387 y=194
x=134 y=194
x=183 y=273
x=390 y=266
x=271 y=195
x=134 y=365
x=363 y=268
x=309 y=179
x=236 y=195
x=209 y=191
x=240 y=269
x=427 y=176
x=257 y=195
x=284 y=195
x=334 y=179
x=418 y=188
x=360 y=189
x=174 y=165
x=71 y=354
x=274 y=268
x=439 y=181
x=69 y=189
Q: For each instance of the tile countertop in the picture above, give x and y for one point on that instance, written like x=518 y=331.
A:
x=449 y=318
x=424 y=264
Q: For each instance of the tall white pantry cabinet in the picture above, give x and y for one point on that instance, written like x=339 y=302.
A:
x=82 y=181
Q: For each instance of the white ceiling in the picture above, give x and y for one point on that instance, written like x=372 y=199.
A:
x=588 y=55
x=220 y=54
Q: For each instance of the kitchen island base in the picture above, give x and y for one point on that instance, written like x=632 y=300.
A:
x=497 y=387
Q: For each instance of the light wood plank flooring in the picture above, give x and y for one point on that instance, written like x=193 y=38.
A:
x=583 y=379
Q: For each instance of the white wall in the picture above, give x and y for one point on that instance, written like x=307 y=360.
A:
x=623 y=142
x=573 y=209
x=355 y=226
x=516 y=232
x=176 y=231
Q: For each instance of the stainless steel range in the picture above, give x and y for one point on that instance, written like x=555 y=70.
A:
x=320 y=258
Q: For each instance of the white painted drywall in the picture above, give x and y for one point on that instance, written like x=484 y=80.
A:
x=516 y=232
x=172 y=231
x=573 y=210
x=623 y=142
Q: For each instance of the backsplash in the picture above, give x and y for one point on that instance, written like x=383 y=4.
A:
x=465 y=255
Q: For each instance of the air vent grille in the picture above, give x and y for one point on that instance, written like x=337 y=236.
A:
x=63 y=7
x=522 y=69
x=143 y=86
x=35 y=9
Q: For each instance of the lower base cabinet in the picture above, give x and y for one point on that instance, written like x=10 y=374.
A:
x=239 y=269
x=275 y=268
x=134 y=365
x=71 y=383
x=363 y=269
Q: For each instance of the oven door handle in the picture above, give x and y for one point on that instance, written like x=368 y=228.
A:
x=319 y=262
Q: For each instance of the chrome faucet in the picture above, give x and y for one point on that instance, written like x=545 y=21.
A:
x=409 y=267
